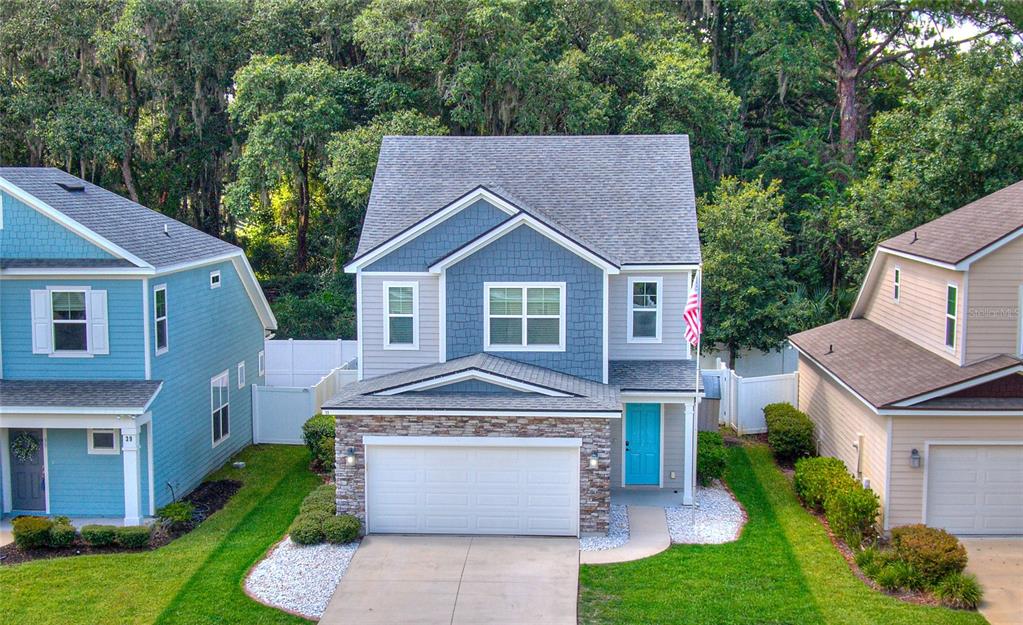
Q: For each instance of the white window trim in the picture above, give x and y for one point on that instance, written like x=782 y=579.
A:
x=261 y=359
x=241 y=374
x=414 y=345
x=659 y=281
x=897 y=283
x=227 y=389
x=954 y=318
x=93 y=451
x=524 y=347
x=55 y=353
x=157 y=318
x=1 y=211
x=215 y=284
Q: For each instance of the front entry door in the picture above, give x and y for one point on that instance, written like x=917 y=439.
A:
x=28 y=479
x=642 y=444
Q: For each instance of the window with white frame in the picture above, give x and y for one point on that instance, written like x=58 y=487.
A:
x=951 y=315
x=401 y=315
x=219 y=407
x=897 y=284
x=70 y=320
x=160 y=318
x=104 y=442
x=241 y=374
x=262 y=363
x=528 y=316
x=215 y=279
x=645 y=304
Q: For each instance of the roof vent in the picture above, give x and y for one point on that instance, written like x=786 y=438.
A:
x=914 y=238
x=831 y=349
x=166 y=229
x=71 y=187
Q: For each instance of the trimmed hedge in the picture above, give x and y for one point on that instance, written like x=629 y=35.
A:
x=99 y=535
x=341 y=529
x=852 y=514
x=318 y=433
x=816 y=478
x=62 y=534
x=934 y=552
x=133 y=536
x=32 y=532
x=321 y=499
x=307 y=528
x=710 y=457
x=789 y=432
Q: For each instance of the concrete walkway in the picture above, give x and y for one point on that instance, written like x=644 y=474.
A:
x=648 y=535
x=998 y=565
x=458 y=580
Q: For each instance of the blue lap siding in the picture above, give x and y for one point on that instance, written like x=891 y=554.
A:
x=81 y=483
x=27 y=233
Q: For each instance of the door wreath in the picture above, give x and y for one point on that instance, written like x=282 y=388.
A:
x=24 y=447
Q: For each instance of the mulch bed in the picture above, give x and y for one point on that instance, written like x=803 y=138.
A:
x=207 y=498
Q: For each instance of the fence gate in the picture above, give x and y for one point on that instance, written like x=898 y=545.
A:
x=278 y=412
x=743 y=399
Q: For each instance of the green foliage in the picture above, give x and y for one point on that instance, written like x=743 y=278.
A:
x=898 y=575
x=99 y=535
x=176 y=514
x=318 y=434
x=321 y=499
x=816 y=478
x=933 y=552
x=307 y=528
x=711 y=459
x=322 y=315
x=31 y=532
x=789 y=432
x=959 y=590
x=341 y=529
x=852 y=514
x=62 y=534
x=133 y=536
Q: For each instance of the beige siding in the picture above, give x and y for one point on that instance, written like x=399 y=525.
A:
x=376 y=359
x=906 y=500
x=839 y=417
x=673 y=440
x=995 y=287
x=919 y=315
x=673 y=343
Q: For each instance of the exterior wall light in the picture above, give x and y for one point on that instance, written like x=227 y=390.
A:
x=914 y=459
x=593 y=460
x=350 y=456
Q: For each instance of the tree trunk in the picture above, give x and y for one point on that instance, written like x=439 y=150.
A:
x=731 y=356
x=129 y=179
x=301 y=242
x=847 y=76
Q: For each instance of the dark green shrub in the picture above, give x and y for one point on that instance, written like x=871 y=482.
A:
x=99 y=535
x=177 y=514
x=321 y=499
x=711 y=458
x=866 y=557
x=852 y=514
x=31 y=532
x=62 y=533
x=325 y=455
x=789 y=432
x=934 y=552
x=307 y=528
x=340 y=529
x=315 y=431
x=816 y=478
x=959 y=590
x=133 y=536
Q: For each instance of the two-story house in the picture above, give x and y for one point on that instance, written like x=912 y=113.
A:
x=521 y=340
x=128 y=346
x=920 y=390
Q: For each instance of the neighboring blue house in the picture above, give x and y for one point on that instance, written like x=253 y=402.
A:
x=129 y=343
x=521 y=348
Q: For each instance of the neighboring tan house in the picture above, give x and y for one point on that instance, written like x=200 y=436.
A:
x=520 y=305
x=920 y=391
x=128 y=345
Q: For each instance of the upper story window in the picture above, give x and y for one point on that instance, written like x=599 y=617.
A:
x=401 y=315
x=261 y=363
x=527 y=316
x=951 y=312
x=160 y=318
x=220 y=399
x=70 y=321
x=241 y=374
x=644 y=321
x=215 y=279
x=897 y=284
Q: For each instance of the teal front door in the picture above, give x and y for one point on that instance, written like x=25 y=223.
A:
x=642 y=444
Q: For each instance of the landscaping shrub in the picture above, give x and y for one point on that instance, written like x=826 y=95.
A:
x=852 y=514
x=31 y=532
x=816 y=478
x=898 y=575
x=62 y=533
x=959 y=590
x=710 y=457
x=321 y=499
x=340 y=529
x=315 y=431
x=325 y=454
x=789 y=432
x=934 y=552
x=177 y=514
x=133 y=536
x=307 y=528
x=99 y=535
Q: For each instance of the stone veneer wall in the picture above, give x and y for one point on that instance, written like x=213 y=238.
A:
x=594 y=487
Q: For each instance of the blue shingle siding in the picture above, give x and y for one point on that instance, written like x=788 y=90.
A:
x=27 y=233
x=527 y=256
x=126 y=359
x=82 y=484
x=209 y=330
x=455 y=231
x=471 y=386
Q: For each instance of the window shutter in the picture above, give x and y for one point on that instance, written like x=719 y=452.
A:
x=42 y=330
x=98 y=333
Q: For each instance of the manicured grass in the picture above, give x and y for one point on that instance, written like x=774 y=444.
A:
x=783 y=569
x=195 y=579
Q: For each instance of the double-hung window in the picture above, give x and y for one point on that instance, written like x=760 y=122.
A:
x=160 y=318
x=951 y=315
x=897 y=282
x=401 y=315
x=70 y=321
x=645 y=303
x=220 y=399
x=524 y=316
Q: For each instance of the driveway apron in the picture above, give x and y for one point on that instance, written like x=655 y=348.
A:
x=998 y=565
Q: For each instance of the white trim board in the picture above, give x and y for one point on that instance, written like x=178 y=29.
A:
x=469 y=441
x=1001 y=373
x=630 y=309
x=410 y=412
x=474 y=375
x=387 y=314
x=561 y=346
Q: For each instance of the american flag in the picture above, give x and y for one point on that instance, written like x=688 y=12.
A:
x=693 y=315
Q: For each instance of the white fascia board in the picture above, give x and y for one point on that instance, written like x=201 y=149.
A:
x=52 y=421
x=963 y=413
x=9 y=412
x=657 y=397
x=474 y=375
x=965 y=263
x=667 y=268
x=920 y=259
x=469 y=441
x=81 y=272
x=835 y=378
x=947 y=390
x=868 y=279
x=251 y=284
x=429 y=222
x=410 y=412
x=101 y=242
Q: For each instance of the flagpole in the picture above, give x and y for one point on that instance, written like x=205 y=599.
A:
x=696 y=400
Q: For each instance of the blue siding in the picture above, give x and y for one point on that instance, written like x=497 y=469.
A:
x=419 y=253
x=27 y=233
x=81 y=484
x=471 y=386
x=126 y=359
x=528 y=256
x=144 y=469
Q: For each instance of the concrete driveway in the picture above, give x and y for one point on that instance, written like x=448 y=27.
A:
x=458 y=580
x=998 y=565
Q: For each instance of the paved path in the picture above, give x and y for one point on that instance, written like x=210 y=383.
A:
x=998 y=565
x=458 y=580
x=648 y=535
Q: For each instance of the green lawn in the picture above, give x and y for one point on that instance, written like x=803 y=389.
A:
x=195 y=579
x=782 y=570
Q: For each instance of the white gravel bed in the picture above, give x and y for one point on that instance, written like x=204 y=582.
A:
x=617 y=534
x=300 y=578
x=716 y=518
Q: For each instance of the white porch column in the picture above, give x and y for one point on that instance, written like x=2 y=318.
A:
x=689 y=470
x=130 y=457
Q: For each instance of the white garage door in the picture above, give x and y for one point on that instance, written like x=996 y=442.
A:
x=976 y=489
x=460 y=485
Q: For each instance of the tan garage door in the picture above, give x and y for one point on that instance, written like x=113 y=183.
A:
x=975 y=489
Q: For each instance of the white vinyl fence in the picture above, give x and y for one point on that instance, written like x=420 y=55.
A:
x=278 y=412
x=743 y=399
x=304 y=363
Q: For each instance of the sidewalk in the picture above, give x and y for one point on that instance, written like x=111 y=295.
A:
x=648 y=536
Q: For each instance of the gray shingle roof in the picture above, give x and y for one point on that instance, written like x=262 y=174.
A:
x=64 y=263
x=653 y=375
x=127 y=394
x=124 y=223
x=630 y=197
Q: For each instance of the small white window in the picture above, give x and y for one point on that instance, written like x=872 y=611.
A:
x=104 y=442
x=645 y=305
x=526 y=316
x=951 y=315
x=160 y=318
x=401 y=315
x=241 y=374
x=215 y=279
x=219 y=407
x=262 y=363
x=70 y=320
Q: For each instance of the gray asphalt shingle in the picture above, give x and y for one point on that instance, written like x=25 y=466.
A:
x=653 y=375
x=78 y=393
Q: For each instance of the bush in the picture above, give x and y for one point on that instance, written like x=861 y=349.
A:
x=789 y=432
x=325 y=454
x=867 y=557
x=934 y=552
x=31 y=532
x=307 y=528
x=816 y=478
x=852 y=514
x=99 y=535
x=321 y=499
x=897 y=575
x=959 y=590
x=62 y=533
x=341 y=529
x=177 y=514
x=315 y=431
x=133 y=536
x=710 y=457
